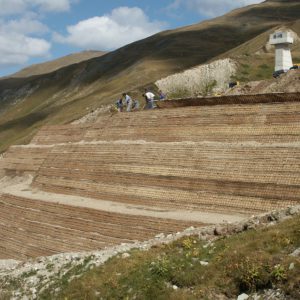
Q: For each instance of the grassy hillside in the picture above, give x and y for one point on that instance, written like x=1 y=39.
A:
x=73 y=91
x=56 y=64
x=256 y=57
x=190 y=268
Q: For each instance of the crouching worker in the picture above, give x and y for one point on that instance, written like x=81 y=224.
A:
x=135 y=105
x=162 y=96
x=119 y=105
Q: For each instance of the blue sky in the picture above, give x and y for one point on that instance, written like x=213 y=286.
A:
x=34 y=31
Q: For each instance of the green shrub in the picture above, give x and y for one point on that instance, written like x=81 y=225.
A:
x=251 y=275
x=180 y=92
x=160 y=268
x=264 y=66
x=208 y=87
x=279 y=273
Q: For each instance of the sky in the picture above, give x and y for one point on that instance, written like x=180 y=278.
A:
x=35 y=31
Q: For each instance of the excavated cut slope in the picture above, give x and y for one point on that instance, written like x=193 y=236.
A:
x=220 y=160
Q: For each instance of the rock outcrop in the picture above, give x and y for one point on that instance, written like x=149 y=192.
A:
x=199 y=81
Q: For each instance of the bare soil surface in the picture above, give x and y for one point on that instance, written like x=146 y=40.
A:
x=20 y=186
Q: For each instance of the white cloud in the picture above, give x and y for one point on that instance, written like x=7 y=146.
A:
x=16 y=44
x=211 y=8
x=19 y=27
x=123 y=26
x=8 y=7
x=14 y=7
x=25 y=25
x=16 y=49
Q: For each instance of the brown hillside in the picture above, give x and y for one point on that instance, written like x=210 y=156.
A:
x=56 y=64
x=71 y=92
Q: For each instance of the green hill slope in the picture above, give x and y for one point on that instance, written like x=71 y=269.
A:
x=249 y=262
x=71 y=92
x=256 y=57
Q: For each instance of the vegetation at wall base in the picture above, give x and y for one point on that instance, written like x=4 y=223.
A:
x=193 y=269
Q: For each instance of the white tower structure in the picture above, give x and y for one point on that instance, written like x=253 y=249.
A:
x=282 y=40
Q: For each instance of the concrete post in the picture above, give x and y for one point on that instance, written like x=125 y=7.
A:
x=282 y=40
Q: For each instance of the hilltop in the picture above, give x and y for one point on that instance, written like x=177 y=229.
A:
x=73 y=91
x=53 y=65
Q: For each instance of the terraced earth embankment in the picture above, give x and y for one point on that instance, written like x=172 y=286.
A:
x=32 y=228
x=133 y=175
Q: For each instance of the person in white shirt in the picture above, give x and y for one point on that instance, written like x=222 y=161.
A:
x=149 y=97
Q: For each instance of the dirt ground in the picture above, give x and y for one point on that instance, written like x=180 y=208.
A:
x=20 y=186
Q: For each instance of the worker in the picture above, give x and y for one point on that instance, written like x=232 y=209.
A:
x=135 y=104
x=149 y=97
x=119 y=105
x=128 y=101
x=162 y=96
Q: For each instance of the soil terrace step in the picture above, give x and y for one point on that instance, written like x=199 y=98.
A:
x=20 y=160
x=222 y=178
x=273 y=121
x=31 y=228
